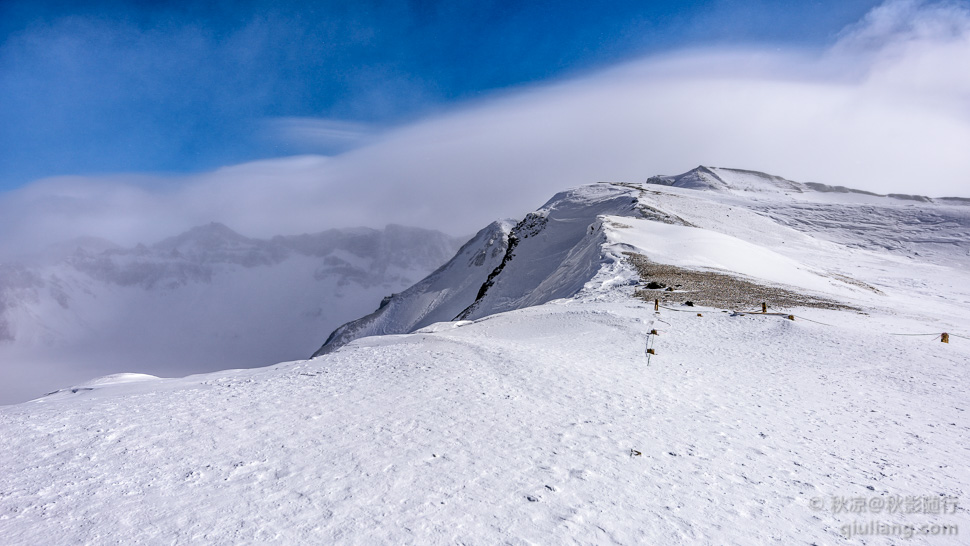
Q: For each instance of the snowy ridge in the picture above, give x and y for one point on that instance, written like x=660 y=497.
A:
x=552 y=253
x=718 y=179
x=741 y=180
x=934 y=230
x=441 y=296
x=557 y=250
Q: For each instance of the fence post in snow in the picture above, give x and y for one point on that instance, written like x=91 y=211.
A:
x=656 y=305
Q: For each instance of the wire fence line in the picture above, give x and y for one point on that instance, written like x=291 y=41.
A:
x=800 y=317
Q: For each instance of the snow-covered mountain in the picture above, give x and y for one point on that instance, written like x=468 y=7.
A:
x=916 y=226
x=203 y=300
x=554 y=252
x=528 y=392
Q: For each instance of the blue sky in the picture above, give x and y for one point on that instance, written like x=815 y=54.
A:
x=134 y=121
x=115 y=86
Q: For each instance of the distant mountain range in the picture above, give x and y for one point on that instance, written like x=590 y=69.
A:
x=202 y=300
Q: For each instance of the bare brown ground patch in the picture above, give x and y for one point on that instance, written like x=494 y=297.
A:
x=720 y=290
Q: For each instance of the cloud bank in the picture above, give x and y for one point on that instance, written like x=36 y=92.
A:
x=886 y=108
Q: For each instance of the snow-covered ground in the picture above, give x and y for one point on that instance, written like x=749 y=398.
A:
x=544 y=421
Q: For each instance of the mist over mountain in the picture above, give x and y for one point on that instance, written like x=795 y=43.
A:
x=205 y=299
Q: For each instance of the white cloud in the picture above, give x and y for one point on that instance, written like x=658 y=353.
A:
x=885 y=109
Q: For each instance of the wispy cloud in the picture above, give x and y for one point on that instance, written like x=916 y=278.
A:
x=885 y=108
x=320 y=135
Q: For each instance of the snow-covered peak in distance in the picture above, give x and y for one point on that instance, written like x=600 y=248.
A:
x=742 y=180
x=758 y=227
x=202 y=300
x=918 y=227
x=714 y=178
x=205 y=239
x=57 y=252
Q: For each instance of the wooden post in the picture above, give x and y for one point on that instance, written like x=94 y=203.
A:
x=764 y=307
x=945 y=337
x=656 y=305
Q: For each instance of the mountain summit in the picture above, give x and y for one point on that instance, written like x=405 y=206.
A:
x=713 y=178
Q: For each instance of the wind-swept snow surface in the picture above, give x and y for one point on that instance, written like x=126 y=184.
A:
x=542 y=418
x=544 y=425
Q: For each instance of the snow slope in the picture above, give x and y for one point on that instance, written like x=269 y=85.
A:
x=542 y=420
x=515 y=428
x=441 y=296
